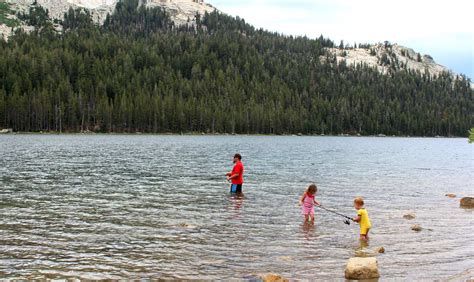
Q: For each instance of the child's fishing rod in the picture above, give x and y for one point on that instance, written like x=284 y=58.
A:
x=340 y=214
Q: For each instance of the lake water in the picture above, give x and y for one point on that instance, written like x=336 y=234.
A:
x=124 y=206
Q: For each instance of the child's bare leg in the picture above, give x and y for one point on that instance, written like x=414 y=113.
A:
x=306 y=217
x=363 y=244
x=311 y=216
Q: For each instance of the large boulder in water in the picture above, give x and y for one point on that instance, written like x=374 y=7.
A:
x=467 y=202
x=362 y=268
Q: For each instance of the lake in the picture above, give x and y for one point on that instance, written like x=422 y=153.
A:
x=154 y=206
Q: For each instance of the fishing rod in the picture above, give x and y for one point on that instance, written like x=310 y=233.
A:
x=340 y=214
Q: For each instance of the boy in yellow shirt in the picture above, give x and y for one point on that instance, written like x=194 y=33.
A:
x=362 y=218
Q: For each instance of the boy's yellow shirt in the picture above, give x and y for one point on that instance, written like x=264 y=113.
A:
x=364 y=219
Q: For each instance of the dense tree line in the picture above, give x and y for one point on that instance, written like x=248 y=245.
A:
x=141 y=72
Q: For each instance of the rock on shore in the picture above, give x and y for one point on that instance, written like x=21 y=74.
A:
x=409 y=216
x=6 y=131
x=416 y=227
x=362 y=268
x=467 y=202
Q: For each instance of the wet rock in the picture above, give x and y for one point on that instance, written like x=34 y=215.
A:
x=380 y=250
x=362 y=268
x=270 y=277
x=451 y=195
x=409 y=216
x=467 y=202
x=416 y=227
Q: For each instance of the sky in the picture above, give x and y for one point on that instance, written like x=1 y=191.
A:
x=440 y=28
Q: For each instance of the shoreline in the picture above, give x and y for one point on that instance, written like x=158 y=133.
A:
x=90 y=133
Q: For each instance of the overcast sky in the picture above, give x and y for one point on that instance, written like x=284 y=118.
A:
x=442 y=29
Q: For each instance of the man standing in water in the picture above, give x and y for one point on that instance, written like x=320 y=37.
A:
x=236 y=176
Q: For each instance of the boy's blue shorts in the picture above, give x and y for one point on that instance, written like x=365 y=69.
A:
x=236 y=188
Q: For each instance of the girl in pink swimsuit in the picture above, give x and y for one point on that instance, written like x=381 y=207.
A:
x=307 y=202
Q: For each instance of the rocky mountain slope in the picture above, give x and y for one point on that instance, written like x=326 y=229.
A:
x=181 y=11
x=388 y=57
x=57 y=8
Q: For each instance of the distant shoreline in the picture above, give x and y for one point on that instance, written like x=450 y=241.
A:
x=221 y=134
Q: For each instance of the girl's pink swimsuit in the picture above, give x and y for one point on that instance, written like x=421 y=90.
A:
x=308 y=205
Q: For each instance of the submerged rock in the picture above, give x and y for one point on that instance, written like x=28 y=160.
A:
x=416 y=227
x=216 y=262
x=362 y=268
x=186 y=225
x=285 y=258
x=409 y=216
x=450 y=195
x=270 y=277
x=467 y=276
x=467 y=202
x=364 y=253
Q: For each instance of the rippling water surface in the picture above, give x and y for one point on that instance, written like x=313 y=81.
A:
x=158 y=206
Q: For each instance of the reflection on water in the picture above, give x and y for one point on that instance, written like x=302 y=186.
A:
x=363 y=244
x=309 y=230
x=235 y=205
x=158 y=207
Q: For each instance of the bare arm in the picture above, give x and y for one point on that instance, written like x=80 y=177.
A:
x=302 y=198
x=356 y=219
x=231 y=176
x=316 y=202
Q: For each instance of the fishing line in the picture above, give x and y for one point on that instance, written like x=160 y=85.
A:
x=347 y=221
